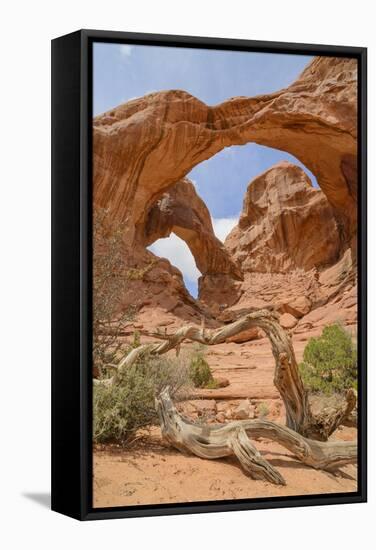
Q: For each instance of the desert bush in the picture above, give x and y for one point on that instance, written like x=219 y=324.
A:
x=136 y=342
x=119 y=410
x=330 y=361
x=199 y=371
x=212 y=385
x=263 y=410
x=138 y=273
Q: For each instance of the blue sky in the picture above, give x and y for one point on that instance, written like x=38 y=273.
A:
x=123 y=72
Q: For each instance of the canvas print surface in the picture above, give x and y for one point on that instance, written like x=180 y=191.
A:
x=224 y=275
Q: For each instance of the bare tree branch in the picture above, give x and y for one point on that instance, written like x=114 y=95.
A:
x=299 y=416
x=217 y=441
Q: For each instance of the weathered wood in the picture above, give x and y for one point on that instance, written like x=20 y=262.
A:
x=217 y=441
x=299 y=416
x=251 y=460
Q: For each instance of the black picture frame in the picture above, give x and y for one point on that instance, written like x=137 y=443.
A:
x=71 y=273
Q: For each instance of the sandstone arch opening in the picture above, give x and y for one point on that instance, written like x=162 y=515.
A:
x=144 y=147
x=280 y=207
x=177 y=131
x=178 y=253
x=268 y=186
x=222 y=180
x=181 y=212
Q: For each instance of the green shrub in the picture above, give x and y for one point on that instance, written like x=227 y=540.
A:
x=263 y=410
x=136 y=340
x=212 y=385
x=200 y=373
x=119 y=410
x=330 y=361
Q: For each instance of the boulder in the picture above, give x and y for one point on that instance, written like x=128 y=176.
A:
x=221 y=417
x=205 y=406
x=298 y=306
x=222 y=406
x=242 y=411
x=247 y=336
x=252 y=412
x=288 y=321
x=221 y=381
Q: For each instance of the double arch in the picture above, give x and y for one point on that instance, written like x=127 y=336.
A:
x=144 y=147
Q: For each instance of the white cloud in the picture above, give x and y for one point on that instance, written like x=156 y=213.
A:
x=228 y=151
x=132 y=98
x=178 y=253
x=137 y=96
x=125 y=50
x=223 y=226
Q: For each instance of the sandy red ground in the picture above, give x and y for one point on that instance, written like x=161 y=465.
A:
x=151 y=472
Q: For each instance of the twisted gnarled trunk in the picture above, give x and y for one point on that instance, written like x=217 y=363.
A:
x=305 y=434
x=299 y=416
x=216 y=441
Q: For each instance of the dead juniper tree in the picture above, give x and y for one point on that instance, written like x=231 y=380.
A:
x=305 y=434
x=109 y=284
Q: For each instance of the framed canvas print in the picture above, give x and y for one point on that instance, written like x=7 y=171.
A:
x=209 y=274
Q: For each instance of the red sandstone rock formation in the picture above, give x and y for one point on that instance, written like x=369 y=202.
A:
x=144 y=146
x=181 y=211
x=285 y=224
x=154 y=284
x=288 y=246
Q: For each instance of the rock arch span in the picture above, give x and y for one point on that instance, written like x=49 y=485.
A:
x=143 y=147
x=181 y=211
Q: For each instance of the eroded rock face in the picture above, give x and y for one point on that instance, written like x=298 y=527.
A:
x=286 y=224
x=288 y=247
x=180 y=210
x=161 y=288
x=155 y=288
x=144 y=146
